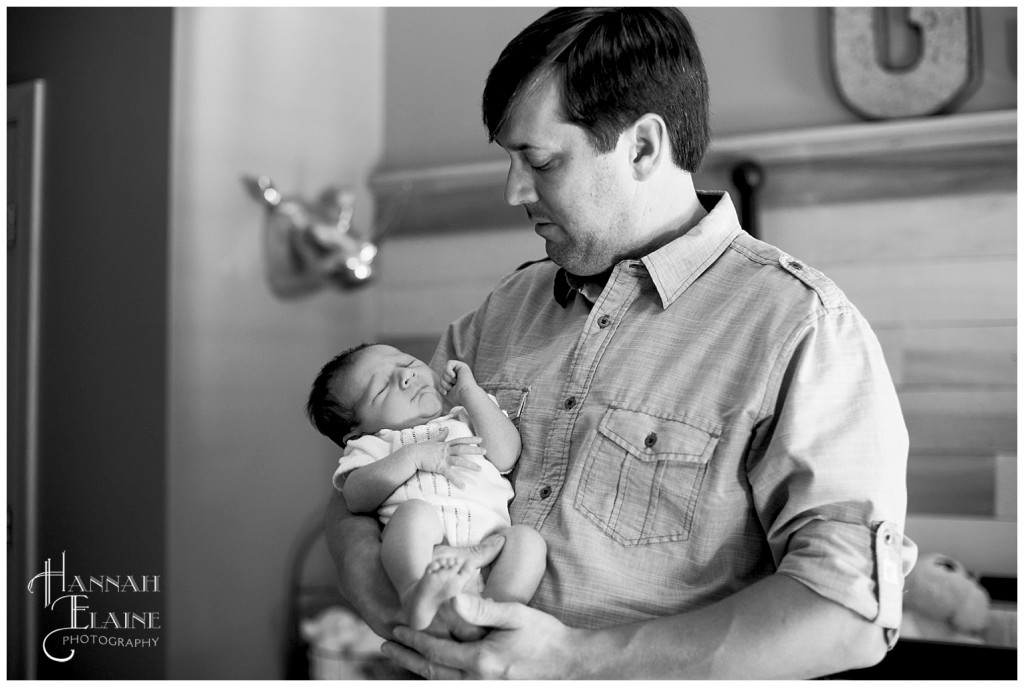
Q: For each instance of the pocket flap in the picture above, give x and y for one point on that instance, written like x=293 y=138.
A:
x=649 y=437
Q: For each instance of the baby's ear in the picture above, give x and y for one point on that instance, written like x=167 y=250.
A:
x=355 y=433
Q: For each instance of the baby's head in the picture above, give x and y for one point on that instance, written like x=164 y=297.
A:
x=369 y=388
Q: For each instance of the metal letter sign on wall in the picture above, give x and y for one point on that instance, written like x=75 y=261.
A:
x=943 y=74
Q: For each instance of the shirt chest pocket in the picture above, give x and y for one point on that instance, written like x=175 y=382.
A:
x=642 y=476
x=511 y=398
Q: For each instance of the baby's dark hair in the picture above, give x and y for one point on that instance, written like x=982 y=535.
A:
x=326 y=412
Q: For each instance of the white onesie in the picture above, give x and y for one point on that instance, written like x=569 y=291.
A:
x=469 y=514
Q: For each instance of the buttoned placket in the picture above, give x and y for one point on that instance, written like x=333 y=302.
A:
x=606 y=313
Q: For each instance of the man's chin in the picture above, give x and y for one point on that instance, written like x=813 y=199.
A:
x=571 y=264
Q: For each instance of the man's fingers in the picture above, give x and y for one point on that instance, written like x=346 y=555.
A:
x=418 y=648
x=477 y=610
x=412 y=661
x=485 y=552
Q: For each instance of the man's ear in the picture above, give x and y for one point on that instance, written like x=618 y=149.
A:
x=650 y=145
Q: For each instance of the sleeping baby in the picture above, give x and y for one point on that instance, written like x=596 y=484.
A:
x=429 y=455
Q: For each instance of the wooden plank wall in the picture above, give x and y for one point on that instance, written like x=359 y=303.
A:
x=936 y=277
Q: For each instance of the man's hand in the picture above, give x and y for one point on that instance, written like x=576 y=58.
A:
x=523 y=644
x=447 y=458
x=457 y=379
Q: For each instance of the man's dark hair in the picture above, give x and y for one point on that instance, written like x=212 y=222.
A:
x=326 y=412
x=614 y=64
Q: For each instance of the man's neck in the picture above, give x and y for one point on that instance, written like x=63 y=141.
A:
x=673 y=210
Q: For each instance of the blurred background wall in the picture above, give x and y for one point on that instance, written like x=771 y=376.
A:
x=297 y=95
x=311 y=97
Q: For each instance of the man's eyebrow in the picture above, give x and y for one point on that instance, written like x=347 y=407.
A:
x=519 y=147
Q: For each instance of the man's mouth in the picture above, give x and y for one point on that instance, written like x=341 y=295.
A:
x=544 y=228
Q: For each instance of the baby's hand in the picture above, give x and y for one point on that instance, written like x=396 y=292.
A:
x=457 y=378
x=447 y=458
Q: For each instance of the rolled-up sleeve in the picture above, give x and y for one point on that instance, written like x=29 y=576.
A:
x=830 y=486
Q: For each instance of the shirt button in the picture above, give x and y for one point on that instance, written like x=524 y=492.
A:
x=650 y=440
x=604 y=321
x=570 y=403
x=545 y=492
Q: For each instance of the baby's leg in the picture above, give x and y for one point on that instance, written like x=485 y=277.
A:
x=425 y=573
x=407 y=548
x=519 y=567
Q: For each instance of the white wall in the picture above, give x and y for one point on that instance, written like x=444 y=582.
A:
x=298 y=96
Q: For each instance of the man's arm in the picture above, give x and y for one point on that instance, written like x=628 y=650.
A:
x=354 y=543
x=775 y=629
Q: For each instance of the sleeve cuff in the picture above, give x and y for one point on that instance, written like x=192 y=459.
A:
x=860 y=567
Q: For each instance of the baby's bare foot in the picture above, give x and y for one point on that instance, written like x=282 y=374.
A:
x=445 y=563
x=444 y=578
x=479 y=556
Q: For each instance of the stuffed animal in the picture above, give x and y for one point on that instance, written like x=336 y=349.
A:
x=337 y=630
x=943 y=602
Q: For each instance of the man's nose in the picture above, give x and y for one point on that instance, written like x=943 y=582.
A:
x=519 y=186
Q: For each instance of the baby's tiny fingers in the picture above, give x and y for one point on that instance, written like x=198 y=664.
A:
x=472 y=450
x=466 y=463
x=452 y=476
x=459 y=441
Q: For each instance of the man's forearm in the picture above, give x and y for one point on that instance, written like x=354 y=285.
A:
x=775 y=629
x=354 y=544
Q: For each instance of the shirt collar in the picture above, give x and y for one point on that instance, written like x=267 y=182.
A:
x=677 y=264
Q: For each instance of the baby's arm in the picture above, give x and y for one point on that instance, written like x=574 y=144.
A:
x=501 y=439
x=367 y=487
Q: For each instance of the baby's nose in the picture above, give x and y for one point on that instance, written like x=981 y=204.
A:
x=405 y=377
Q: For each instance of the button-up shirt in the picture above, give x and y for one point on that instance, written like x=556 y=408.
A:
x=714 y=413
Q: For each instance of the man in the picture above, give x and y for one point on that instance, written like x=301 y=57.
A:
x=712 y=446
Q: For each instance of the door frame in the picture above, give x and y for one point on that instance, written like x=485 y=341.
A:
x=25 y=108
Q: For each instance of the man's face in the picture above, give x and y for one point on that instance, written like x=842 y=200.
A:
x=388 y=389
x=580 y=201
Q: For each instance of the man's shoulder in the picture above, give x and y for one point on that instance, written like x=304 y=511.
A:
x=791 y=271
x=534 y=274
